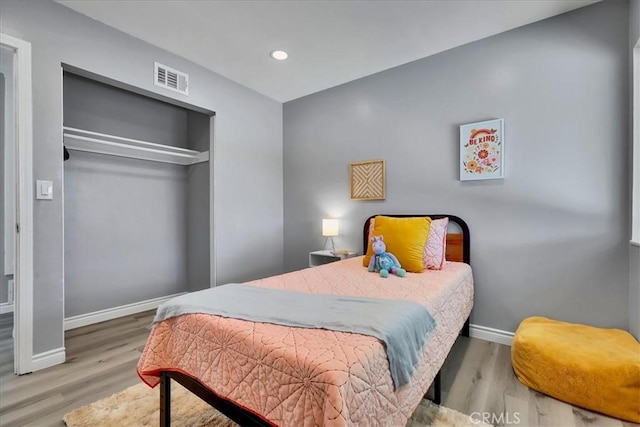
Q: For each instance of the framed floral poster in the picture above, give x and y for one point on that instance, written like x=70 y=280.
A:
x=482 y=150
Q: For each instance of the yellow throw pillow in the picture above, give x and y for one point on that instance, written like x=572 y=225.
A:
x=405 y=238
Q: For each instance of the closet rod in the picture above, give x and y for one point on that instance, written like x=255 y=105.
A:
x=117 y=144
x=129 y=140
x=74 y=139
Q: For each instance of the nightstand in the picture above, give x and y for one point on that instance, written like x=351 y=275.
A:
x=325 y=257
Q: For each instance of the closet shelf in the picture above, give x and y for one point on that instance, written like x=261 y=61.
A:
x=101 y=143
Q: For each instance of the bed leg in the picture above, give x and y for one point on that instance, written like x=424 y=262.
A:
x=465 y=329
x=437 y=388
x=165 y=400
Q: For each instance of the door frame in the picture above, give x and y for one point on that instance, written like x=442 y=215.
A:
x=23 y=298
x=635 y=166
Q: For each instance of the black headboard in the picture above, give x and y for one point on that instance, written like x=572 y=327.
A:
x=465 y=240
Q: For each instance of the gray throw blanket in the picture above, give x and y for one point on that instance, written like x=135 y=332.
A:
x=402 y=326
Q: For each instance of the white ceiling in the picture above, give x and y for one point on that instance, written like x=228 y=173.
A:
x=329 y=42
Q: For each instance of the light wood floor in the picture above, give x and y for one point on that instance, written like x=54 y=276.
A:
x=101 y=359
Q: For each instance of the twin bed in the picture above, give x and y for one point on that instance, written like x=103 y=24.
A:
x=269 y=374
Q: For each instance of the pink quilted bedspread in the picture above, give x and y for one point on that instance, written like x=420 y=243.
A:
x=314 y=377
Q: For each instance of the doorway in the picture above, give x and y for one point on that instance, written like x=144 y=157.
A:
x=16 y=266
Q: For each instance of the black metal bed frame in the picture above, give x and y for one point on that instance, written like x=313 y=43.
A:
x=244 y=416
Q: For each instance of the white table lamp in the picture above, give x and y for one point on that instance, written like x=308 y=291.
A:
x=329 y=230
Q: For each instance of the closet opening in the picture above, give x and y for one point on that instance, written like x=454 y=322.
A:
x=138 y=188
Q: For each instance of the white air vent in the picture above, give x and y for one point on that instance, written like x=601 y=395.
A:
x=171 y=79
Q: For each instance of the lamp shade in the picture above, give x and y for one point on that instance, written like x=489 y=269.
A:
x=329 y=227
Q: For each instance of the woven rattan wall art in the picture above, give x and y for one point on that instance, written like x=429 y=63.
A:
x=367 y=180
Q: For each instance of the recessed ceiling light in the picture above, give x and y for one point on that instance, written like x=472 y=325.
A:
x=280 y=55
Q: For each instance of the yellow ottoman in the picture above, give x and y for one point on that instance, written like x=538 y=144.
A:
x=597 y=369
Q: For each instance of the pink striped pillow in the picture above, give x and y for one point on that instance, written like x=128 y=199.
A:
x=436 y=245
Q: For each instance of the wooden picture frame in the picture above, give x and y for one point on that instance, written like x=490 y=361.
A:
x=367 y=179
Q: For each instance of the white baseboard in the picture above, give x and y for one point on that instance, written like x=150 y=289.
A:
x=48 y=358
x=115 y=312
x=6 y=307
x=491 y=334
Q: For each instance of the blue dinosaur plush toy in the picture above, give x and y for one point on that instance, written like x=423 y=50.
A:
x=383 y=261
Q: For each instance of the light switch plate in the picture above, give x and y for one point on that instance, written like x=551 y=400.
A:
x=44 y=190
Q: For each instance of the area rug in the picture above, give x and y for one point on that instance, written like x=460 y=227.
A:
x=137 y=406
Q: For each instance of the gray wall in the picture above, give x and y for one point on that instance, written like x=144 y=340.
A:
x=198 y=249
x=248 y=147
x=634 y=251
x=125 y=231
x=102 y=108
x=551 y=238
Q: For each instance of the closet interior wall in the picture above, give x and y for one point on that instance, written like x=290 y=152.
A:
x=135 y=229
x=199 y=132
